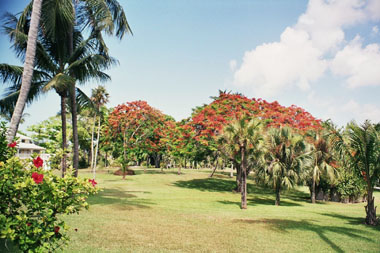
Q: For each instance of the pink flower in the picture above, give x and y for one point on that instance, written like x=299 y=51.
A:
x=38 y=178
x=38 y=162
x=12 y=145
x=93 y=182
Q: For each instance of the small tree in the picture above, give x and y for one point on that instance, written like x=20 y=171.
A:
x=286 y=156
x=361 y=146
x=242 y=138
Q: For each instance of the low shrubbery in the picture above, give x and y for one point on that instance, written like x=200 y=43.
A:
x=33 y=201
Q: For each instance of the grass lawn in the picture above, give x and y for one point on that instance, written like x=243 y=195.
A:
x=165 y=212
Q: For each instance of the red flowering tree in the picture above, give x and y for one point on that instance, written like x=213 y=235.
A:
x=139 y=129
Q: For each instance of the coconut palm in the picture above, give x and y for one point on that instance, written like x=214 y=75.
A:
x=286 y=157
x=241 y=139
x=361 y=145
x=54 y=69
x=94 y=17
x=99 y=97
x=321 y=154
x=28 y=70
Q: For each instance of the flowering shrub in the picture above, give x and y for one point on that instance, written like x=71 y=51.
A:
x=32 y=201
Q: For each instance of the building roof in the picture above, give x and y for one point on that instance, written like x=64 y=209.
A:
x=23 y=137
x=29 y=146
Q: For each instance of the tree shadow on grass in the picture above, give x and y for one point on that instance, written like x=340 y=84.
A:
x=351 y=220
x=121 y=199
x=228 y=185
x=284 y=226
x=259 y=201
x=208 y=184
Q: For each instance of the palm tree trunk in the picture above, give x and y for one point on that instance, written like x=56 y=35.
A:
x=370 y=208
x=243 y=179
x=28 y=70
x=313 y=186
x=64 y=134
x=92 y=143
x=277 y=195
x=74 y=108
x=97 y=146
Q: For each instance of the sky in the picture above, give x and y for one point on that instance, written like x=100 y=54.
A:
x=322 y=55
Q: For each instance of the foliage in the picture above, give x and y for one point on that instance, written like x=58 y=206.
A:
x=286 y=157
x=350 y=186
x=33 y=201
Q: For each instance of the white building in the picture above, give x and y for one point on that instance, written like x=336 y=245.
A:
x=26 y=147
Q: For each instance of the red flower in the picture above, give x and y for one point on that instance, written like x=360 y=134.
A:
x=93 y=182
x=28 y=224
x=38 y=162
x=56 y=229
x=12 y=145
x=38 y=178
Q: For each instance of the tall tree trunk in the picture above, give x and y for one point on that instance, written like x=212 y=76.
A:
x=232 y=171
x=92 y=143
x=370 y=208
x=277 y=195
x=27 y=73
x=243 y=179
x=213 y=171
x=74 y=107
x=313 y=185
x=238 y=177
x=64 y=134
x=97 y=147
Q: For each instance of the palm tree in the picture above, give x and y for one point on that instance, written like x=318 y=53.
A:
x=321 y=153
x=55 y=69
x=242 y=138
x=361 y=145
x=95 y=17
x=27 y=71
x=99 y=98
x=285 y=156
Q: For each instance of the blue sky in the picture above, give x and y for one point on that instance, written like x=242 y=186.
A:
x=321 y=55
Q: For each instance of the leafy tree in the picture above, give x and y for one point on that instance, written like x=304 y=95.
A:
x=137 y=127
x=286 y=155
x=242 y=138
x=360 y=145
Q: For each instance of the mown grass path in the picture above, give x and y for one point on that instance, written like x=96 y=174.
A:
x=165 y=212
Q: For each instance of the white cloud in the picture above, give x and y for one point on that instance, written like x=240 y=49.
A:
x=273 y=66
x=301 y=56
x=233 y=64
x=375 y=30
x=359 y=64
x=341 y=111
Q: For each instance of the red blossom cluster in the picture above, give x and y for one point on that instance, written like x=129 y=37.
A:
x=93 y=182
x=38 y=162
x=38 y=178
x=12 y=145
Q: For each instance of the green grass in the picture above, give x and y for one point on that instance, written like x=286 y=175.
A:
x=156 y=212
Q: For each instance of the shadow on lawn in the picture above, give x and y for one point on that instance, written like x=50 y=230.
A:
x=351 y=220
x=228 y=185
x=285 y=226
x=119 y=198
x=259 y=201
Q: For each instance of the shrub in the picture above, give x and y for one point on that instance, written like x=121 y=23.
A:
x=32 y=201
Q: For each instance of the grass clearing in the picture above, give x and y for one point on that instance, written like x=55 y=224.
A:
x=166 y=212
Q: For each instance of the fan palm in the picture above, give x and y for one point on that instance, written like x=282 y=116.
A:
x=361 y=145
x=286 y=156
x=321 y=154
x=241 y=139
x=54 y=69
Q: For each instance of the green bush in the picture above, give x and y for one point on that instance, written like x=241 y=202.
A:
x=350 y=186
x=33 y=201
